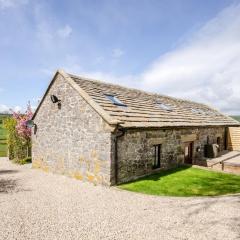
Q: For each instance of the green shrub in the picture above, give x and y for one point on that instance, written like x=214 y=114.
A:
x=19 y=148
x=24 y=161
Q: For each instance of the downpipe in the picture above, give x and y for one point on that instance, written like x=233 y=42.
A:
x=118 y=134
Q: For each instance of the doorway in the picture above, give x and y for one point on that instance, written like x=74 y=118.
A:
x=188 y=153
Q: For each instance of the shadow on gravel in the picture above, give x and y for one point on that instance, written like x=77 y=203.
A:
x=206 y=204
x=7 y=172
x=7 y=185
x=11 y=186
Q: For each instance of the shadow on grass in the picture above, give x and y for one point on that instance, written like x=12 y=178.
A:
x=186 y=181
x=164 y=173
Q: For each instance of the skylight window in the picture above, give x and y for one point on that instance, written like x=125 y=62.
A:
x=197 y=110
x=115 y=100
x=212 y=113
x=164 y=106
x=194 y=110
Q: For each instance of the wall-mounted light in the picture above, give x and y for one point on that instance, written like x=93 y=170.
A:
x=198 y=149
x=55 y=99
x=31 y=124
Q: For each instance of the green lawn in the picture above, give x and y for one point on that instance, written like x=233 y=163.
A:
x=186 y=181
x=3 y=138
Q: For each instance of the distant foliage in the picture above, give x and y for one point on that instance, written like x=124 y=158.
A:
x=236 y=117
x=3 y=138
x=10 y=124
x=19 y=135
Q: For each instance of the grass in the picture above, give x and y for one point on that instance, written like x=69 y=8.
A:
x=236 y=117
x=3 y=138
x=186 y=181
x=24 y=161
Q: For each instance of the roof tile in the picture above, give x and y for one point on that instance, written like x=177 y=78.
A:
x=142 y=109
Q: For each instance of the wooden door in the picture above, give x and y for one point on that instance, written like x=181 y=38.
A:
x=188 y=152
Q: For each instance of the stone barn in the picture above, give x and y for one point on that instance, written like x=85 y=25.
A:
x=109 y=134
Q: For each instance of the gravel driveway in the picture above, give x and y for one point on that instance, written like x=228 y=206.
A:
x=38 y=205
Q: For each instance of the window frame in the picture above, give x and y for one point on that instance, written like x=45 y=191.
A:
x=164 y=106
x=114 y=100
x=156 y=164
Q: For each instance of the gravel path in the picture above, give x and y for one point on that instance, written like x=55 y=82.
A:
x=38 y=205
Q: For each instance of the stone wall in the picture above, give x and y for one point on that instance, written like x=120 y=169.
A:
x=136 y=148
x=73 y=140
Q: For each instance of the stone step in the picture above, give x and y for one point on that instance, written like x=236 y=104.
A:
x=229 y=168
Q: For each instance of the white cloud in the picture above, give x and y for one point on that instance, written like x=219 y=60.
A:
x=206 y=67
x=6 y=109
x=49 y=31
x=117 y=53
x=64 y=32
x=4 y=4
x=17 y=109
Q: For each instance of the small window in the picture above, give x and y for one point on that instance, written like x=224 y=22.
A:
x=115 y=100
x=157 y=156
x=164 y=106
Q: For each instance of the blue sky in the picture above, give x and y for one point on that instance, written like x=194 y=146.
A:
x=184 y=48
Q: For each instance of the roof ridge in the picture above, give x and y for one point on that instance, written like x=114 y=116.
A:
x=129 y=88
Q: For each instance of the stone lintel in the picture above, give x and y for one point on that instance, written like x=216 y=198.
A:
x=189 y=138
x=156 y=141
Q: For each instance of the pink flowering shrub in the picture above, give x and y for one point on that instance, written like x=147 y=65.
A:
x=21 y=119
x=19 y=135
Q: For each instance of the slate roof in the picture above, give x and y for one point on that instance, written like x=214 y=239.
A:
x=145 y=109
x=142 y=109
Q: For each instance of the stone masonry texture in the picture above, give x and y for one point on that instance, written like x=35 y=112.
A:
x=136 y=149
x=73 y=140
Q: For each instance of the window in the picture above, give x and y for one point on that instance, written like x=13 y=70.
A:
x=219 y=143
x=115 y=100
x=157 y=156
x=164 y=106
